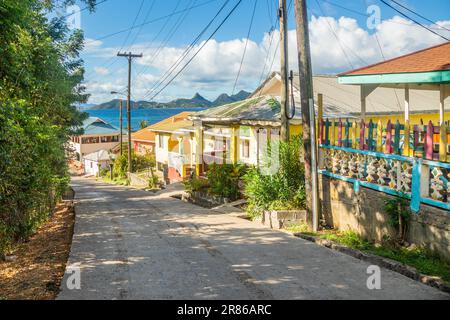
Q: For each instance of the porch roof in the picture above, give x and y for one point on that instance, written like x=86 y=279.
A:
x=427 y=66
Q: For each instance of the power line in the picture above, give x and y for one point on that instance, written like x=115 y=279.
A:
x=111 y=61
x=114 y=58
x=367 y=15
x=169 y=36
x=413 y=20
x=335 y=35
x=245 y=47
x=172 y=69
x=419 y=15
x=146 y=17
x=152 y=21
x=198 y=51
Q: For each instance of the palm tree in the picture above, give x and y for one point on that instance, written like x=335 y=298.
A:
x=143 y=124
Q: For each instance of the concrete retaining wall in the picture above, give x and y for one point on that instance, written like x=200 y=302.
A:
x=364 y=213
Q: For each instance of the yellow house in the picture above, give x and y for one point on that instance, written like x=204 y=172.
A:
x=174 y=147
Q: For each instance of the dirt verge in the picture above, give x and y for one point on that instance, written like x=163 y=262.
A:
x=35 y=269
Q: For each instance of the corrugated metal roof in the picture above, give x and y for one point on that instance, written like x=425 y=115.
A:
x=172 y=127
x=101 y=155
x=346 y=99
x=97 y=126
x=263 y=110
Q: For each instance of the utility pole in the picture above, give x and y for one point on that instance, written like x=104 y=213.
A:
x=130 y=57
x=308 y=114
x=282 y=13
x=121 y=126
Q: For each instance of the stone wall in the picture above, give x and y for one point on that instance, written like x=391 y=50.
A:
x=344 y=209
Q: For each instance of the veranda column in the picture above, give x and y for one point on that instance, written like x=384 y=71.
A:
x=199 y=148
x=406 y=148
x=234 y=144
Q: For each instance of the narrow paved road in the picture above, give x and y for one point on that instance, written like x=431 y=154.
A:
x=130 y=244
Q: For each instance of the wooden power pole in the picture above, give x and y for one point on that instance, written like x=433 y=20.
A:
x=284 y=133
x=130 y=57
x=308 y=113
x=121 y=126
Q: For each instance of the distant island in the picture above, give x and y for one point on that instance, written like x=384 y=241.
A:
x=196 y=102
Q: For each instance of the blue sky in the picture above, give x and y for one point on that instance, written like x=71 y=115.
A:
x=214 y=70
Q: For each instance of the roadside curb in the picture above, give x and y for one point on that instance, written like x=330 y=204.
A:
x=389 y=264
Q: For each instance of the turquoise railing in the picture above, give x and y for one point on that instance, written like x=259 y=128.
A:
x=422 y=181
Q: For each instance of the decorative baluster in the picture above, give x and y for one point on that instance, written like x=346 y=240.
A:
x=370 y=140
x=362 y=136
x=327 y=132
x=340 y=133
x=321 y=131
x=443 y=143
x=372 y=169
x=380 y=136
x=354 y=131
x=405 y=177
x=437 y=186
x=416 y=140
x=333 y=132
x=397 y=138
x=388 y=147
x=382 y=172
x=347 y=134
x=406 y=140
x=429 y=150
x=336 y=162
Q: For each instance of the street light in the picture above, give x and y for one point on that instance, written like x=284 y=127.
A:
x=121 y=119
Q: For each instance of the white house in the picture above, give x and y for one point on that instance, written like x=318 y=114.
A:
x=97 y=135
x=96 y=161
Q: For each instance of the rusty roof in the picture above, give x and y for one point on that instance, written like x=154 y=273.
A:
x=436 y=58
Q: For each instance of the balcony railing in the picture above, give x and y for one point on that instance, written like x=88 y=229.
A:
x=383 y=159
x=178 y=161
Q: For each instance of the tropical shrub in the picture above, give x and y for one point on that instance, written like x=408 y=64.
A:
x=196 y=184
x=398 y=210
x=224 y=180
x=139 y=163
x=281 y=190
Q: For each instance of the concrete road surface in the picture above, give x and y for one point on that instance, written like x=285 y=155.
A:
x=130 y=244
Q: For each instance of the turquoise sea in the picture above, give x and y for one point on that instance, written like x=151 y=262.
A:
x=152 y=116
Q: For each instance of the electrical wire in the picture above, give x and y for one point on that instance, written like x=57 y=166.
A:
x=198 y=51
x=419 y=15
x=152 y=21
x=245 y=47
x=191 y=46
x=413 y=20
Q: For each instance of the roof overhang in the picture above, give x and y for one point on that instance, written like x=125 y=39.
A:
x=433 y=77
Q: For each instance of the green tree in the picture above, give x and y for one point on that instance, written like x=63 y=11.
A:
x=41 y=77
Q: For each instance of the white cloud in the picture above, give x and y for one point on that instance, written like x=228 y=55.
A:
x=214 y=69
x=101 y=71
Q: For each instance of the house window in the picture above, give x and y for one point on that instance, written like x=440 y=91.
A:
x=245 y=149
x=161 y=141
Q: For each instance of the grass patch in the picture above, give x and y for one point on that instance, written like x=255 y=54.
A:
x=297 y=228
x=117 y=181
x=425 y=262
